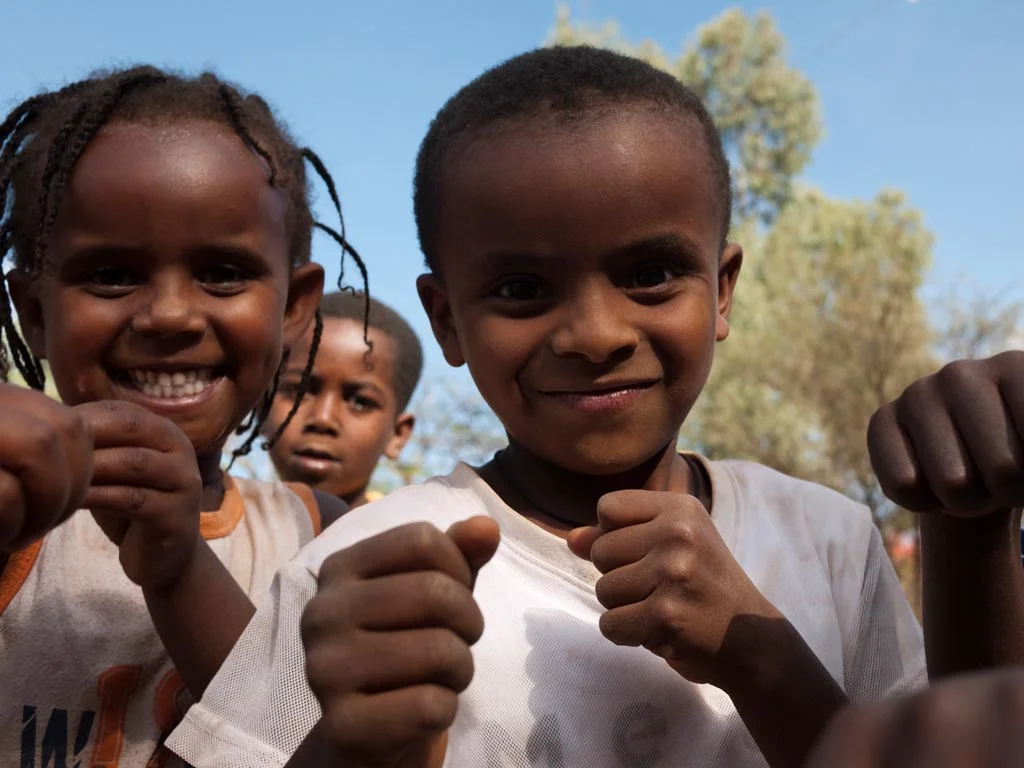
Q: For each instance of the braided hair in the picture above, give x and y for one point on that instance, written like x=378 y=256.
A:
x=42 y=139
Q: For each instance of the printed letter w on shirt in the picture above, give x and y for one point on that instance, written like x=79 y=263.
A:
x=114 y=688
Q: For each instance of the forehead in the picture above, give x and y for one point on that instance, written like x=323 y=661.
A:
x=342 y=351
x=137 y=181
x=575 y=184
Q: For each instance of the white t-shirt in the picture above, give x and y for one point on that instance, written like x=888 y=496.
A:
x=84 y=677
x=549 y=689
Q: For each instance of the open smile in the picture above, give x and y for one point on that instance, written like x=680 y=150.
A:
x=162 y=389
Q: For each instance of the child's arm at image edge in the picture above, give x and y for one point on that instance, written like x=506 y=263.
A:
x=973 y=586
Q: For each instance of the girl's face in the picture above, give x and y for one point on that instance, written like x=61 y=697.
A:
x=168 y=279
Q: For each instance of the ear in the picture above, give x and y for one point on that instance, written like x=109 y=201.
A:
x=728 y=273
x=305 y=289
x=439 y=310
x=25 y=295
x=403 y=431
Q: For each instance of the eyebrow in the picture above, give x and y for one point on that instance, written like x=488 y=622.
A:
x=672 y=245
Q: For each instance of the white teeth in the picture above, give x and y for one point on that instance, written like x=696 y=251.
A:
x=170 y=386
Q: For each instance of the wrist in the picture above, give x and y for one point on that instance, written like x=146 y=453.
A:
x=756 y=653
x=968 y=538
x=187 y=570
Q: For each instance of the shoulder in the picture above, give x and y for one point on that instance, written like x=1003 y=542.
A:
x=766 y=491
x=330 y=508
x=441 y=501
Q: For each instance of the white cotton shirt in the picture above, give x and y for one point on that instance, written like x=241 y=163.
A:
x=548 y=688
x=84 y=677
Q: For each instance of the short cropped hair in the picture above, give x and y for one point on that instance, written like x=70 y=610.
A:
x=351 y=305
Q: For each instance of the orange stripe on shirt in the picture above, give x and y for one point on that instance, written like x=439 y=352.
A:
x=218 y=524
x=19 y=566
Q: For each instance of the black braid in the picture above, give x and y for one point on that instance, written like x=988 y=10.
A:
x=307 y=374
x=233 y=106
x=341 y=239
x=336 y=236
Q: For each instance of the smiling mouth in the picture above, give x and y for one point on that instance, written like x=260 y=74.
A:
x=602 y=399
x=182 y=384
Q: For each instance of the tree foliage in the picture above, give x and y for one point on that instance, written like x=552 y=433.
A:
x=766 y=111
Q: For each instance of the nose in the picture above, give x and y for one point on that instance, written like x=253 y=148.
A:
x=171 y=310
x=596 y=325
x=321 y=418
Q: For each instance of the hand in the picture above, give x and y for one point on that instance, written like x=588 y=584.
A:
x=670 y=583
x=45 y=465
x=145 y=490
x=954 y=441
x=387 y=639
x=971 y=721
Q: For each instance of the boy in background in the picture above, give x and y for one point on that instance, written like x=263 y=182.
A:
x=355 y=409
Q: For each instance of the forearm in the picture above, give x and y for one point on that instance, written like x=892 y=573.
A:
x=314 y=752
x=783 y=693
x=973 y=592
x=199 y=617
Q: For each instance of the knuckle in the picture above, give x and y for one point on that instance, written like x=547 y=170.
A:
x=322 y=616
x=40 y=440
x=446 y=656
x=663 y=610
x=137 y=498
x=679 y=529
x=675 y=569
x=440 y=591
x=421 y=538
x=136 y=461
x=435 y=708
x=324 y=665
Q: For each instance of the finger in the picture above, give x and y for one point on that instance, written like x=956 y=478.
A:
x=113 y=527
x=621 y=547
x=145 y=467
x=37 y=458
x=627 y=625
x=135 y=502
x=629 y=584
x=621 y=509
x=12 y=512
x=412 y=547
x=371 y=725
x=895 y=463
x=477 y=539
x=941 y=451
x=581 y=540
x=117 y=423
x=987 y=427
x=414 y=600
x=374 y=662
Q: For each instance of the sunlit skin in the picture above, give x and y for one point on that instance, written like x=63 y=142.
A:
x=170 y=254
x=582 y=279
x=347 y=420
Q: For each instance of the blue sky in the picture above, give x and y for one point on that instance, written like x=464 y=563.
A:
x=924 y=96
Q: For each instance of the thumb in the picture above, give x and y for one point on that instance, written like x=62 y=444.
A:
x=477 y=540
x=581 y=540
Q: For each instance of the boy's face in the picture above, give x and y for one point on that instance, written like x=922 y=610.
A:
x=349 y=417
x=582 y=281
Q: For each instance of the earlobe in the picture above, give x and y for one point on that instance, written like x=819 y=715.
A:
x=404 y=425
x=305 y=289
x=25 y=298
x=439 y=311
x=728 y=273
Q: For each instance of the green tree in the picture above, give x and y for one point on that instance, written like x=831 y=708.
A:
x=766 y=111
x=828 y=326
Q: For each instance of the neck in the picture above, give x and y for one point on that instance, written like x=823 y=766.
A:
x=213 y=481
x=544 y=492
